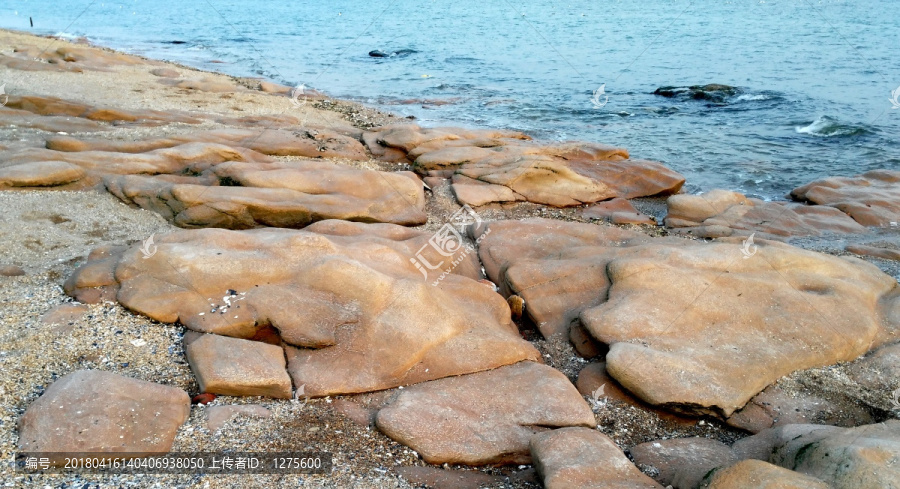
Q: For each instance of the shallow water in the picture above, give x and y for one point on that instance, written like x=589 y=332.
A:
x=815 y=77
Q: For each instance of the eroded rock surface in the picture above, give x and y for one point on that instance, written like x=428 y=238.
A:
x=95 y=411
x=682 y=462
x=675 y=311
x=484 y=418
x=359 y=314
x=872 y=199
x=756 y=474
x=720 y=213
x=503 y=166
x=575 y=458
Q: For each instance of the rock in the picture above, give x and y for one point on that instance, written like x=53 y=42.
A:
x=65 y=59
x=236 y=367
x=845 y=458
x=875 y=252
x=63 y=316
x=25 y=119
x=290 y=194
x=269 y=87
x=879 y=370
x=484 y=418
x=205 y=84
x=94 y=411
x=571 y=458
x=218 y=416
x=872 y=199
x=594 y=382
x=52 y=106
x=676 y=350
x=616 y=211
x=363 y=316
x=720 y=213
x=448 y=478
x=585 y=345
x=713 y=92
x=681 y=462
x=775 y=407
x=40 y=174
x=756 y=474
x=165 y=73
x=495 y=166
x=11 y=271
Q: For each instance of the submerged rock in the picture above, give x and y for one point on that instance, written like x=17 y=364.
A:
x=712 y=92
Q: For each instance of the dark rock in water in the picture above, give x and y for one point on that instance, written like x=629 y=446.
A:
x=712 y=92
x=381 y=54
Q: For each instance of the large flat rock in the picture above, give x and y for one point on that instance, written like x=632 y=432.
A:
x=237 y=367
x=692 y=326
x=95 y=411
x=484 y=418
x=356 y=313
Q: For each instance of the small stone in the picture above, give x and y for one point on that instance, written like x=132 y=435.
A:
x=236 y=367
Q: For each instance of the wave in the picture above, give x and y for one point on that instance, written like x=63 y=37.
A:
x=826 y=126
x=753 y=97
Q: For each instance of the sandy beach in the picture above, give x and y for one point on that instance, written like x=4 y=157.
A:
x=46 y=334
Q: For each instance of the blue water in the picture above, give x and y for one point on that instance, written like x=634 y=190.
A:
x=816 y=76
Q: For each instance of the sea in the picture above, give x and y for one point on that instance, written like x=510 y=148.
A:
x=817 y=82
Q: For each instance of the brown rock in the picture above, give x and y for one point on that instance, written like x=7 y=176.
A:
x=94 y=411
x=270 y=87
x=756 y=474
x=875 y=252
x=594 y=382
x=872 y=199
x=879 y=370
x=484 y=418
x=681 y=462
x=720 y=213
x=346 y=293
x=616 y=211
x=63 y=316
x=11 y=271
x=572 y=458
x=218 y=416
x=449 y=478
x=236 y=367
x=165 y=73
x=775 y=407
x=40 y=174
x=585 y=345
x=676 y=349
x=851 y=458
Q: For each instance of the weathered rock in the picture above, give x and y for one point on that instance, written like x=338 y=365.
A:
x=94 y=411
x=363 y=316
x=65 y=58
x=165 y=73
x=289 y=194
x=61 y=317
x=875 y=251
x=720 y=213
x=236 y=367
x=11 y=271
x=52 y=106
x=572 y=458
x=585 y=345
x=616 y=211
x=872 y=199
x=594 y=381
x=40 y=174
x=675 y=311
x=844 y=458
x=756 y=474
x=682 y=462
x=775 y=407
x=484 y=418
x=218 y=416
x=713 y=92
x=23 y=118
x=878 y=371
x=494 y=166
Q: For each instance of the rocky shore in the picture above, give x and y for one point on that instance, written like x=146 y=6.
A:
x=191 y=262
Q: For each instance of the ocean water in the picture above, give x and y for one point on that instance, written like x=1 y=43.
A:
x=814 y=78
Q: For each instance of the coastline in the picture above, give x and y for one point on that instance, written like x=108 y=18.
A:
x=50 y=232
